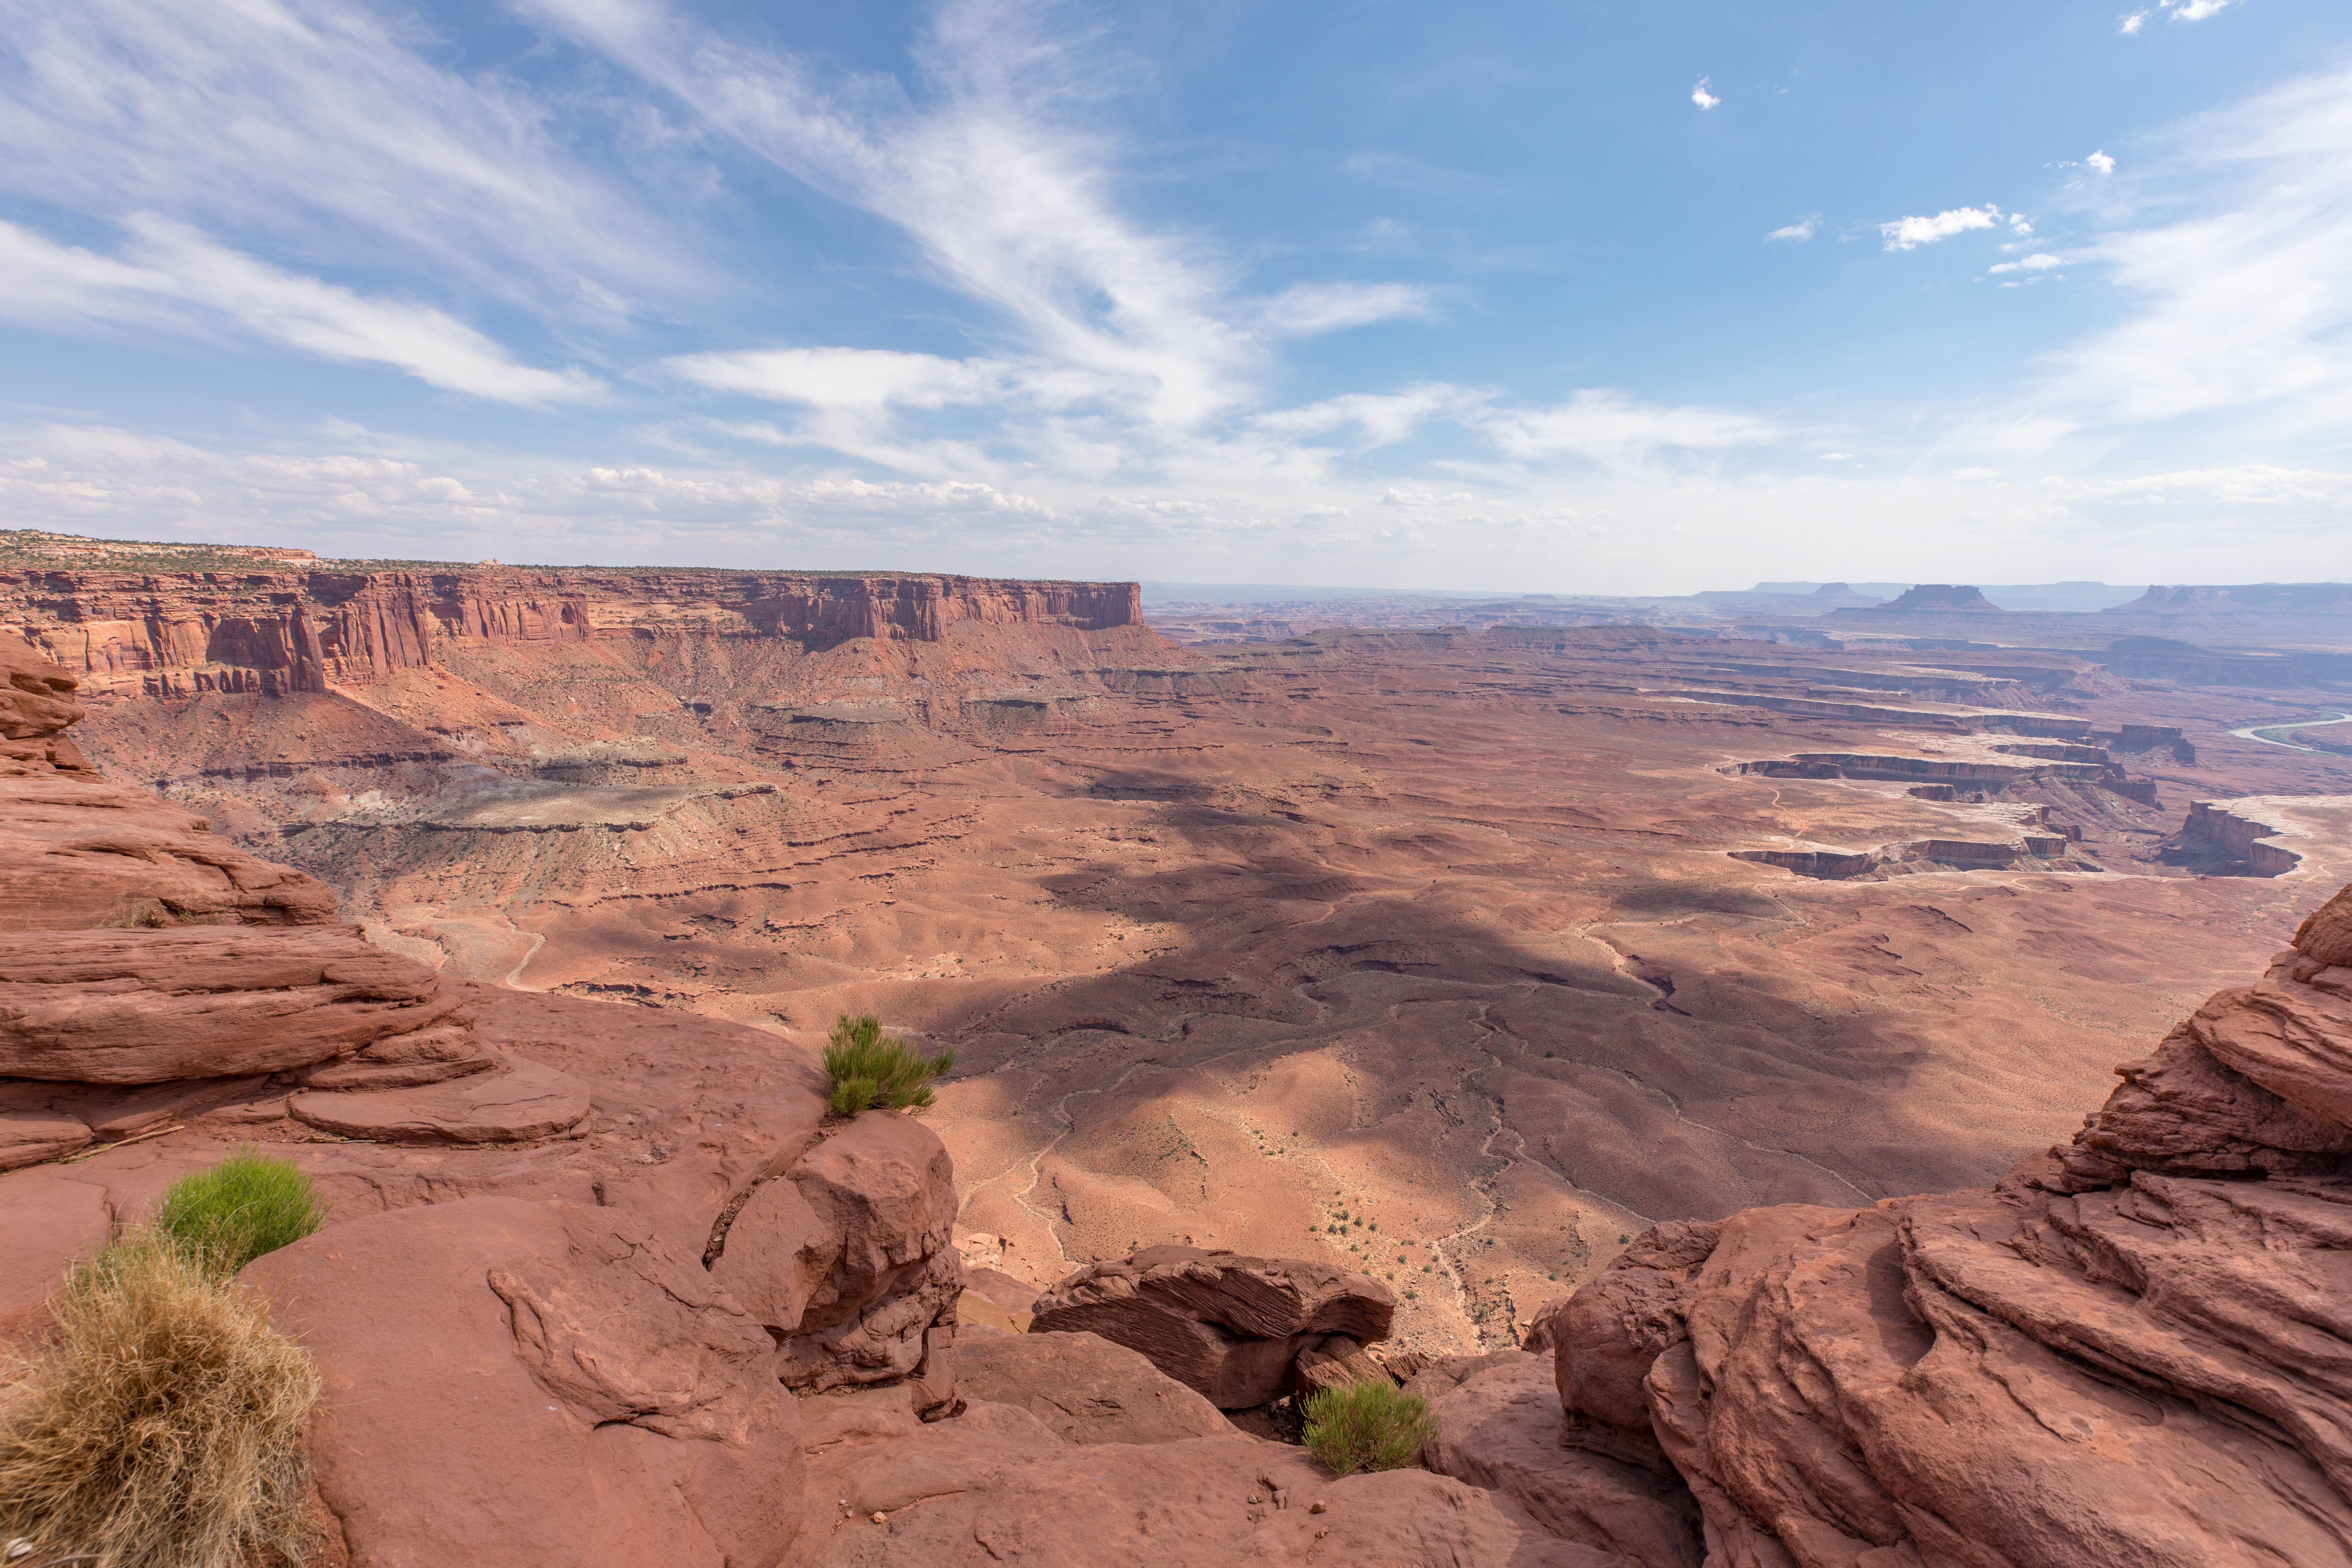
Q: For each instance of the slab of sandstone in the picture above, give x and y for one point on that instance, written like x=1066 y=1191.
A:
x=994 y=1487
x=29 y=1137
x=151 y=1007
x=521 y=1101
x=537 y=1385
x=1085 y=1388
x=1225 y=1325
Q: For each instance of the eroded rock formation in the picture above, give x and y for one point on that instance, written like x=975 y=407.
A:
x=2132 y=1350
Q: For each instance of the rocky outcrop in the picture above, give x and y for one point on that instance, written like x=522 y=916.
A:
x=116 y=1016
x=78 y=851
x=2217 y=838
x=2132 y=1350
x=1499 y=1427
x=1226 y=1326
x=846 y=1259
x=178 y=632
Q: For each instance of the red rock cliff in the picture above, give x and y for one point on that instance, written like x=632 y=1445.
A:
x=175 y=632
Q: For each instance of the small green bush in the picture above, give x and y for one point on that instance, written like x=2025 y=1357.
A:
x=1368 y=1425
x=870 y=1069
x=246 y=1205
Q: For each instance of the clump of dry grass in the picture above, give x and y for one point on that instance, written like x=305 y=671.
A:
x=160 y=1426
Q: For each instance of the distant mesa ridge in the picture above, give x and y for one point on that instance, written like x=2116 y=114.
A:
x=266 y=622
x=2189 y=598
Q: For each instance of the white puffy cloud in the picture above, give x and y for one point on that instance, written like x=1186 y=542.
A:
x=1701 y=96
x=1803 y=229
x=2178 y=10
x=1910 y=233
x=2101 y=164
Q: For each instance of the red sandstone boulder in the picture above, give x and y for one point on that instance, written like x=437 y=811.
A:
x=1333 y=1362
x=36 y=706
x=1227 y=1326
x=1083 y=1388
x=846 y=1257
x=535 y=1385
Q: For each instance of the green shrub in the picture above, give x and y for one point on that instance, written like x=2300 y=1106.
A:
x=1368 y=1425
x=246 y=1205
x=160 y=1426
x=870 y=1069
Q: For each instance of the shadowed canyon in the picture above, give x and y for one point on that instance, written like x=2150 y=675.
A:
x=1455 y=956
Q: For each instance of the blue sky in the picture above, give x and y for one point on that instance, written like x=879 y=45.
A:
x=1564 y=297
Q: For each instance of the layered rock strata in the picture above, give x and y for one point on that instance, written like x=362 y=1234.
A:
x=178 y=633
x=2134 y=1349
x=152 y=970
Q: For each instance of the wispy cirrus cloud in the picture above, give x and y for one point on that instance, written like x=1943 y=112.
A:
x=172 y=278
x=1377 y=419
x=321 y=124
x=2227 y=244
x=998 y=175
x=2040 y=262
x=1797 y=233
x=1610 y=428
x=1303 y=310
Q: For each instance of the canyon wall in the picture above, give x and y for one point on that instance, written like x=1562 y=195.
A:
x=174 y=633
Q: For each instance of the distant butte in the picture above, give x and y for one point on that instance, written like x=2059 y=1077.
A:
x=1938 y=597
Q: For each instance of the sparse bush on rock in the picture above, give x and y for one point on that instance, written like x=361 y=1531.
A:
x=869 y=1069
x=1368 y=1425
x=248 y=1205
x=159 y=1425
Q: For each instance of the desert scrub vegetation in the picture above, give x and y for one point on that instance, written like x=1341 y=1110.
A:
x=1368 y=1425
x=159 y=1425
x=246 y=1205
x=871 y=1070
